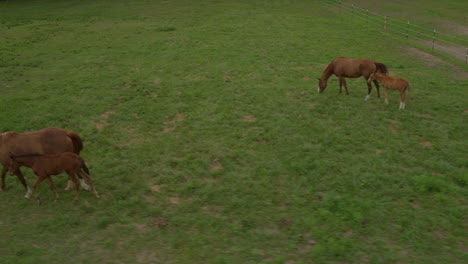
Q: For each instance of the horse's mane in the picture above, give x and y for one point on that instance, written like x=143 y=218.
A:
x=329 y=68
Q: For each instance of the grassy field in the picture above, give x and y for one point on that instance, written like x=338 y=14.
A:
x=208 y=141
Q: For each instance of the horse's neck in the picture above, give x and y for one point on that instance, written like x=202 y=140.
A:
x=328 y=72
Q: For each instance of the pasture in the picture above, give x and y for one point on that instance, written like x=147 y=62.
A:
x=208 y=142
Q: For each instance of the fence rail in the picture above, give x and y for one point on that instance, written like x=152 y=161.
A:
x=449 y=44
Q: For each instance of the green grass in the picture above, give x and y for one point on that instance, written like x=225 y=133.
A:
x=208 y=142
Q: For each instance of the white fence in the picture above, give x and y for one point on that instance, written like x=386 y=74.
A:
x=448 y=44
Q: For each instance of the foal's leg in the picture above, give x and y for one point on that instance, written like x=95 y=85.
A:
x=23 y=181
x=376 y=83
x=402 y=99
x=70 y=185
x=39 y=179
x=75 y=181
x=52 y=187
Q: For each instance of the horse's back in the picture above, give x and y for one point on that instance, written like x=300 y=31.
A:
x=45 y=141
x=353 y=68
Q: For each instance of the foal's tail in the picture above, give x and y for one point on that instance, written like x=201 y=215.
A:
x=382 y=68
x=83 y=166
x=87 y=178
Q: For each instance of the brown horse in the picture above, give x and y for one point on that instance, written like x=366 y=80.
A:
x=45 y=166
x=388 y=82
x=45 y=141
x=343 y=68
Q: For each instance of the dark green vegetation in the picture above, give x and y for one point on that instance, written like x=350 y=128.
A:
x=208 y=142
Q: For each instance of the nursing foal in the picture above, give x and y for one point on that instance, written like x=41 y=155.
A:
x=388 y=82
x=45 y=166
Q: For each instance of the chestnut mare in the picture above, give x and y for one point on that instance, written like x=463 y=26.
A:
x=343 y=68
x=45 y=141
x=388 y=82
x=45 y=166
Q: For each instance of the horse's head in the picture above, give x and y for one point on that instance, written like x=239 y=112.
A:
x=376 y=76
x=322 y=85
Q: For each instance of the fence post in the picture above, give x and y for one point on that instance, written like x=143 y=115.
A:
x=367 y=16
x=466 y=56
x=433 y=39
x=385 y=24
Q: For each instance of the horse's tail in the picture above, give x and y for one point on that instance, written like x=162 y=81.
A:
x=382 y=68
x=83 y=166
x=76 y=140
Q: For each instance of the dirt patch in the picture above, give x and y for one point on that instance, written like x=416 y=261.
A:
x=108 y=113
x=392 y=126
x=453 y=27
x=213 y=211
x=434 y=61
x=216 y=167
x=249 y=118
x=156 y=188
x=426 y=144
x=103 y=122
x=160 y=222
x=171 y=124
x=150 y=199
x=174 y=200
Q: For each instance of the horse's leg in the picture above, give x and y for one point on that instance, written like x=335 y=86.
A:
x=4 y=170
x=52 y=187
x=369 y=89
x=345 y=85
x=341 y=83
x=377 y=87
x=69 y=184
x=90 y=182
x=39 y=179
x=402 y=99
x=23 y=181
x=75 y=181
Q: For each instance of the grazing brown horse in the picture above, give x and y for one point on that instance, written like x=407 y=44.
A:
x=45 y=166
x=45 y=141
x=388 y=82
x=343 y=68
